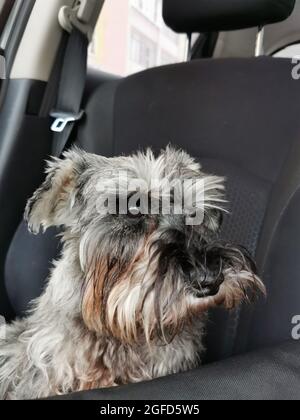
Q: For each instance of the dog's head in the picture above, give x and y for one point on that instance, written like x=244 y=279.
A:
x=146 y=234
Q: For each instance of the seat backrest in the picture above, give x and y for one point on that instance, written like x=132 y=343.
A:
x=240 y=118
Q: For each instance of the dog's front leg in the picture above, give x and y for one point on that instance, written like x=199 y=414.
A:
x=21 y=377
x=12 y=358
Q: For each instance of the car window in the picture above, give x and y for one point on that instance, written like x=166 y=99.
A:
x=131 y=36
x=289 y=51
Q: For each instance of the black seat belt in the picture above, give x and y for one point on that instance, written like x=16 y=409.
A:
x=70 y=90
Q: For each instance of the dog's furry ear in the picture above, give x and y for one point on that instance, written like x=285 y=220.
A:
x=51 y=204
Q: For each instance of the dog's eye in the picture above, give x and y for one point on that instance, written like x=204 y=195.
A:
x=134 y=212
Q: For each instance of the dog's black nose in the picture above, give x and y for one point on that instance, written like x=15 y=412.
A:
x=208 y=287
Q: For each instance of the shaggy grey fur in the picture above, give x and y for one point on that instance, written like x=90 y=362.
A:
x=127 y=300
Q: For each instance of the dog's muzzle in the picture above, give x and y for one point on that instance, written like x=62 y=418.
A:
x=199 y=269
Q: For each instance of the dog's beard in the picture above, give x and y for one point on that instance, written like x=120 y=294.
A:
x=145 y=292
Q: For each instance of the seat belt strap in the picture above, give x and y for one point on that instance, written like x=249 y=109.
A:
x=70 y=90
x=80 y=21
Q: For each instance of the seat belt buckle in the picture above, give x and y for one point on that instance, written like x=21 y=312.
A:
x=62 y=119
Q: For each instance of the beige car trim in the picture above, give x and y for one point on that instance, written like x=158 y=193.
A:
x=41 y=39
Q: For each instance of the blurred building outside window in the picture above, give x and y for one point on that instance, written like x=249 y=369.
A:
x=131 y=36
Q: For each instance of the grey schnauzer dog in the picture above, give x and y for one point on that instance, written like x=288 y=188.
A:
x=127 y=299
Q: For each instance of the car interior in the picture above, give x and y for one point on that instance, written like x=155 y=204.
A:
x=234 y=105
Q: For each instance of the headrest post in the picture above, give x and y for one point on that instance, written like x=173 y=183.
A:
x=259 y=48
x=190 y=48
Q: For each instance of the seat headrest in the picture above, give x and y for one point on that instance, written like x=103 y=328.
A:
x=189 y=16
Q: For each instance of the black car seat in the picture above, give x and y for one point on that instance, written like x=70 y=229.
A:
x=240 y=118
